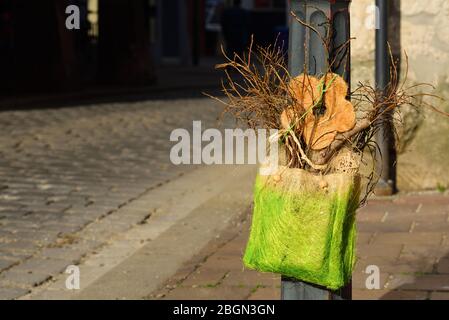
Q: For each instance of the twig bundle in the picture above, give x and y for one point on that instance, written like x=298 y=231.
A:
x=315 y=116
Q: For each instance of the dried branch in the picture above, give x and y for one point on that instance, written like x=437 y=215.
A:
x=341 y=140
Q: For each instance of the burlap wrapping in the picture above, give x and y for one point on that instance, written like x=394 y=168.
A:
x=304 y=226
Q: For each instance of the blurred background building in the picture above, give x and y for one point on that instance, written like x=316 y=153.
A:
x=120 y=42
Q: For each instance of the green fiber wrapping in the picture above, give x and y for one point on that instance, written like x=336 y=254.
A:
x=304 y=233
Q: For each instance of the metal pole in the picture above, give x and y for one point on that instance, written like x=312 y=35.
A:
x=386 y=185
x=306 y=50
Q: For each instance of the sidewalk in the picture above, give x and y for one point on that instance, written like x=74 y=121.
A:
x=173 y=82
x=405 y=236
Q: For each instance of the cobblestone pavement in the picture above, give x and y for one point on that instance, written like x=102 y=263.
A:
x=405 y=236
x=63 y=170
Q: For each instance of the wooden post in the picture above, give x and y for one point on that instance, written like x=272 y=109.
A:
x=307 y=50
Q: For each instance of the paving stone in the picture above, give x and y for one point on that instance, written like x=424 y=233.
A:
x=218 y=293
x=409 y=265
x=205 y=277
x=266 y=294
x=415 y=238
x=405 y=295
x=42 y=266
x=217 y=261
x=250 y=278
x=370 y=215
x=432 y=226
x=425 y=251
x=416 y=199
x=52 y=294
x=396 y=217
x=379 y=250
x=12 y=293
x=429 y=282
x=380 y=227
x=67 y=254
x=15 y=256
x=34 y=235
x=24 y=247
x=439 y=206
x=358 y=294
x=364 y=238
x=363 y=294
x=5 y=264
x=237 y=246
x=439 y=296
x=412 y=265
x=443 y=266
x=23 y=279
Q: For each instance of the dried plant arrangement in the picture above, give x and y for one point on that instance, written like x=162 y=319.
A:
x=304 y=214
x=317 y=117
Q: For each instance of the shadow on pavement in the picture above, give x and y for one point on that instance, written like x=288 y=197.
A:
x=173 y=83
x=433 y=285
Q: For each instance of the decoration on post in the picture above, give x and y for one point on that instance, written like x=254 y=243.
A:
x=303 y=226
x=303 y=223
x=327 y=96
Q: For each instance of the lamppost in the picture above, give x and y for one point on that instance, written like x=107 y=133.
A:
x=386 y=185
x=306 y=50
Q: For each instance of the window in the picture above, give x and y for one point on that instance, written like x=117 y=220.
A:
x=92 y=17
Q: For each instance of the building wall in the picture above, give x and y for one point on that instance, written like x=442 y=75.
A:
x=421 y=29
x=39 y=55
x=124 y=43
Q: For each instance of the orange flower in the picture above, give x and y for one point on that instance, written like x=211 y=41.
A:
x=328 y=94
